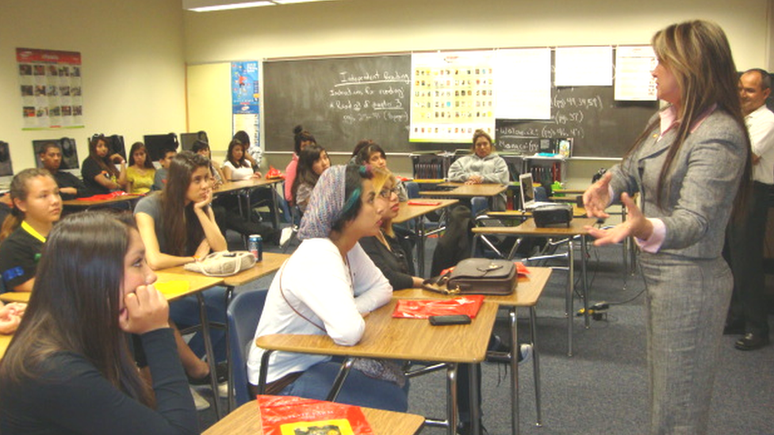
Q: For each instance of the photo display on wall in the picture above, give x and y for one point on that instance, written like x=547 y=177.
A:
x=51 y=90
x=452 y=95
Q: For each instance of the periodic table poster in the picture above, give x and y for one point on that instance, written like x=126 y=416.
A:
x=50 y=85
x=452 y=95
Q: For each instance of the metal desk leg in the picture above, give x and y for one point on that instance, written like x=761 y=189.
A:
x=514 y=372
x=475 y=392
x=230 y=405
x=210 y=353
x=274 y=207
x=263 y=373
x=535 y=362
x=568 y=303
x=451 y=403
x=421 y=246
x=346 y=366
x=584 y=255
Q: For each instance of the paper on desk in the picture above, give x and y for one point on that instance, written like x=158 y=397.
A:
x=173 y=288
x=422 y=309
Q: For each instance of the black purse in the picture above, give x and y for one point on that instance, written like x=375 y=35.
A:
x=476 y=276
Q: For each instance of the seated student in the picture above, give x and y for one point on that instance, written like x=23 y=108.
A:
x=341 y=211
x=36 y=206
x=312 y=162
x=483 y=166
x=302 y=139
x=386 y=250
x=237 y=166
x=203 y=148
x=253 y=153
x=70 y=186
x=98 y=171
x=10 y=316
x=160 y=179
x=139 y=175
x=225 y=207
x=69 y=368
x=368 y=152
x=177 y=226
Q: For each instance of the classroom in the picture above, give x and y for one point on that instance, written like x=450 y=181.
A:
x=152 y=67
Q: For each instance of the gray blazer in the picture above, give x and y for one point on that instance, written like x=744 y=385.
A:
x=705 y=177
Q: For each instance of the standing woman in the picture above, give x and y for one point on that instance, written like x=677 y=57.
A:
x=483 y=166
x=237 y=167
x=312 y=162
x=689 y=166
x=99 y=171
x=139 y=176
x=301 y=139
x=36 y=206
x=69 y=368
x=325 y=288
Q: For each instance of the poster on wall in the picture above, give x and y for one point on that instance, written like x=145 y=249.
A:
x=452 y=95
x=51 y=91
x=633 y=81
x=245 y=96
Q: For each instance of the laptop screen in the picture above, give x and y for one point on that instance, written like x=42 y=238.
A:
x=527 y=189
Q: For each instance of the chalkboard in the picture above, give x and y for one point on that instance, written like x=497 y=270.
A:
x=599 y=125
x=339 y=100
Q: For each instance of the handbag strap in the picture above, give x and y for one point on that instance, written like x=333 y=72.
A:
x=282 y=292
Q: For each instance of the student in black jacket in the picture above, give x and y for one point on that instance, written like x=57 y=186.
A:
x=69 y=369
x=70 y=186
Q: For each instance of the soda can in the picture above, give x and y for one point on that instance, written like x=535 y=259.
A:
x=255 y=246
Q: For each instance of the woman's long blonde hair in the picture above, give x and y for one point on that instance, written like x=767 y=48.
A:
x=699 y=56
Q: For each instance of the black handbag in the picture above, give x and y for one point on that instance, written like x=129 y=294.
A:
x=476 y=276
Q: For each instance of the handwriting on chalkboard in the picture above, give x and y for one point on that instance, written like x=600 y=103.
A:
x=370 y=97
x=569 y=113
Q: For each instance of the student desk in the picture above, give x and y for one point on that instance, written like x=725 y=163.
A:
x=246 y=420
x=78 y=203
x=527 y=294
x=416 y=210
x=15 y=297
x=402 y=339
x=576 y=228
x=245 y=186
x=461 y=190
x=270 y=264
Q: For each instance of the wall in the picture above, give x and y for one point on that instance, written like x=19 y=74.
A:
x=368 y=26
x=133 y=67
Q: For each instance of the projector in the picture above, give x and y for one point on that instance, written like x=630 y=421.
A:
x=555 y=214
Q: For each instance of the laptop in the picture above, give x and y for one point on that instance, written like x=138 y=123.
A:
x=527 y=190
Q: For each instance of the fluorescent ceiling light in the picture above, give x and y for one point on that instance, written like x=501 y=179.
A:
x=221 y=5
x=224 y=7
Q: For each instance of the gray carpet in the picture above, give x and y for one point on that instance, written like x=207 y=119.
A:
x=602 y=388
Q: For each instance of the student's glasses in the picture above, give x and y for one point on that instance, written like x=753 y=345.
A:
x=387 y=193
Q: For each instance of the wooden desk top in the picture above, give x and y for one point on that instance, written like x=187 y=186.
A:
x=5 y=340
x=411 y=339
x=528 y=228
x=526 y=295
x=467 y=190
x=15 y=297
x=246 y=420
x=83 y=203
x=270 y=264
x=408 y=212
x=250 y=183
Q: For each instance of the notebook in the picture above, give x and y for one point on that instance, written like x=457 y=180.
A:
x=528 y=193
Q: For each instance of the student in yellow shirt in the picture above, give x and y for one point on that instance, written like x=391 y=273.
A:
x=139 y=176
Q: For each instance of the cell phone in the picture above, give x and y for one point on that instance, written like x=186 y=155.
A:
x=454 y=319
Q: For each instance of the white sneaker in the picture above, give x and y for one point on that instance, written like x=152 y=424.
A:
x=223 y=390
x=525 y=351
x=285 y=235
x=200 y=402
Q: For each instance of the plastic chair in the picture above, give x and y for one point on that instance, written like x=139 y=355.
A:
x=243 y=313
x=412 y=189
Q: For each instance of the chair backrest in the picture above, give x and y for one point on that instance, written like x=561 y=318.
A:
x=541 y=194
x=244 y=311
x=412 y=189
